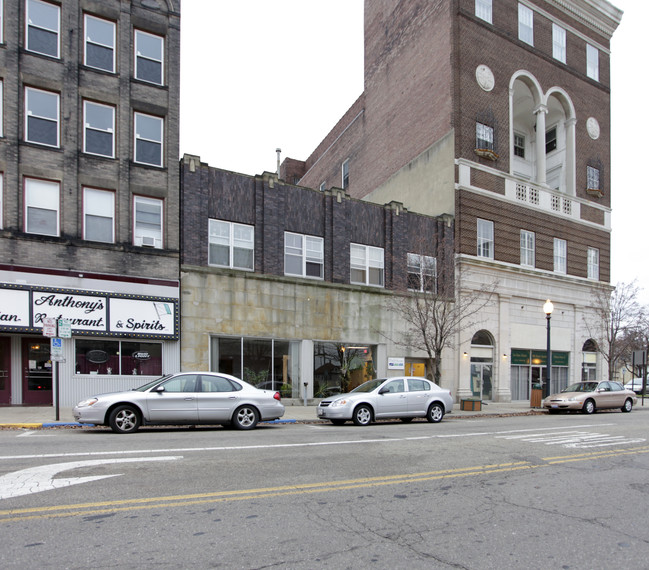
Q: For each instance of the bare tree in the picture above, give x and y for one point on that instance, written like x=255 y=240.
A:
x=616 y=318
x=434 y=314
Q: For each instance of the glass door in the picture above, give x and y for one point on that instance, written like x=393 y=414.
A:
x=481 y=377
x=5 y=370
x=37 y=371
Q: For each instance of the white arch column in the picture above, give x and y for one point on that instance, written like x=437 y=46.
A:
x=541 y=111
x=571 y=157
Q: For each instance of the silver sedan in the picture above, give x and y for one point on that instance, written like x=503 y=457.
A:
x=404 y=398
x=186 y=398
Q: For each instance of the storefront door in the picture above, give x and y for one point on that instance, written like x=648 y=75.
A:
x=5 y=370
x=37 y=371
x=481 y=380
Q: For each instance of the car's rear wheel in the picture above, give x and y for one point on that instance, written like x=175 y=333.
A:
x=435 y=413
x=124 y=419
x=589 y=407
x=337 y=422
x=245 y=417
x=362 y=416
x=628 y=405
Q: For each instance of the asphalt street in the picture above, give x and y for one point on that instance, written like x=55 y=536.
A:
x=534 y=491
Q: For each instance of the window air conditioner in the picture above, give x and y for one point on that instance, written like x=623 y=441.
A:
x=148 y=241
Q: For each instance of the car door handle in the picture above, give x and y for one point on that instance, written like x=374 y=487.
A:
x=188 y=399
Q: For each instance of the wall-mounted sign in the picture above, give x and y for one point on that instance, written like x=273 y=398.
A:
x=139 y=316
x=396 y=363
x=14 y=309
x=27 y=309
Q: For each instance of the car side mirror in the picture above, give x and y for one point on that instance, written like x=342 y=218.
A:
x=158 y=389
x=384 y=391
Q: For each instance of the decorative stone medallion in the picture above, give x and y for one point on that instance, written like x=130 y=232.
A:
x=484 y=77
x=592 y=126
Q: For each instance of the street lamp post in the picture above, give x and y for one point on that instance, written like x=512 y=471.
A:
x=548 y=307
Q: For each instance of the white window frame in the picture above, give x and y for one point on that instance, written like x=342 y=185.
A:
x=424 y=267
x=141 y=35
x=484 y=10
x=2 y=20
x=528 y=248
x=367 y=265
x=140 y=135
x=235 y=237
x=592 y=62
x=34 y=21
x=558 y=43
x=560 y=256
x=308 y=251
x=2 y=97
x=30 y=113
x=519 y=143
x=97 y=41
x=485 y=241
x=43 y=195
x=146 y=234
x=593 y=178
x=525 y=24
x=344 y=170
x=98 y=203
x=593 y=263
x=484 y=136
x=87 y=126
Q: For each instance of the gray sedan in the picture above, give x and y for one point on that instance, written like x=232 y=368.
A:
x=186 y=398
x=404 y=398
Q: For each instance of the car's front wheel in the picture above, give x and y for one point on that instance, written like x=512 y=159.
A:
x=245 y=417
x=362 y=416
x=435 y=413
x=628 y=405
x=589 y=407
x=124 y=419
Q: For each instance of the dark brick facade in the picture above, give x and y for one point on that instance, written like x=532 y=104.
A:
x=68 y=165
x=274 y=207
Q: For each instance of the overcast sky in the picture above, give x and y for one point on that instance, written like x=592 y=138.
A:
x=258 y=74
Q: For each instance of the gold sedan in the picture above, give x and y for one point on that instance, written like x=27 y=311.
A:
x=588 y=397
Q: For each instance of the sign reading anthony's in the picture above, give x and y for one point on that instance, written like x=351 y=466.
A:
x=26 y=308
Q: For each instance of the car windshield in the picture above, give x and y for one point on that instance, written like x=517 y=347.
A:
x=370 y=385
x=151 y=384
x=581 y=387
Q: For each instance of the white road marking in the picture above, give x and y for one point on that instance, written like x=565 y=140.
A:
x=281 y=445
x=33 y=433
x=41 y=478
x=574 y=439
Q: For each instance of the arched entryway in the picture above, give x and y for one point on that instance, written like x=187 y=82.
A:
x=589 y=360
x=482 y=365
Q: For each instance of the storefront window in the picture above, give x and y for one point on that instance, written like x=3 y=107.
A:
x=94 y=356
x=341 y=367
x=268 y=364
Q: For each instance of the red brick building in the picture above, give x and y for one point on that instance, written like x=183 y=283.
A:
x=496 y=112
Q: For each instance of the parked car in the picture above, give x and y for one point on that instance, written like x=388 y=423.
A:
x=589 y=397
x=404 y=398
x=185 y=398
x=635 y=385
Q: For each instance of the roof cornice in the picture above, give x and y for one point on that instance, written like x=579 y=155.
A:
x=599 y=15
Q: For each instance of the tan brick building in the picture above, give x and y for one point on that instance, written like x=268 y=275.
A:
x=496 y=112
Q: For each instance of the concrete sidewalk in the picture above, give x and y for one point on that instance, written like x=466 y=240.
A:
x=36 y=417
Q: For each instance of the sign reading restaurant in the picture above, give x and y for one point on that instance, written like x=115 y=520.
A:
x=25 y=309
